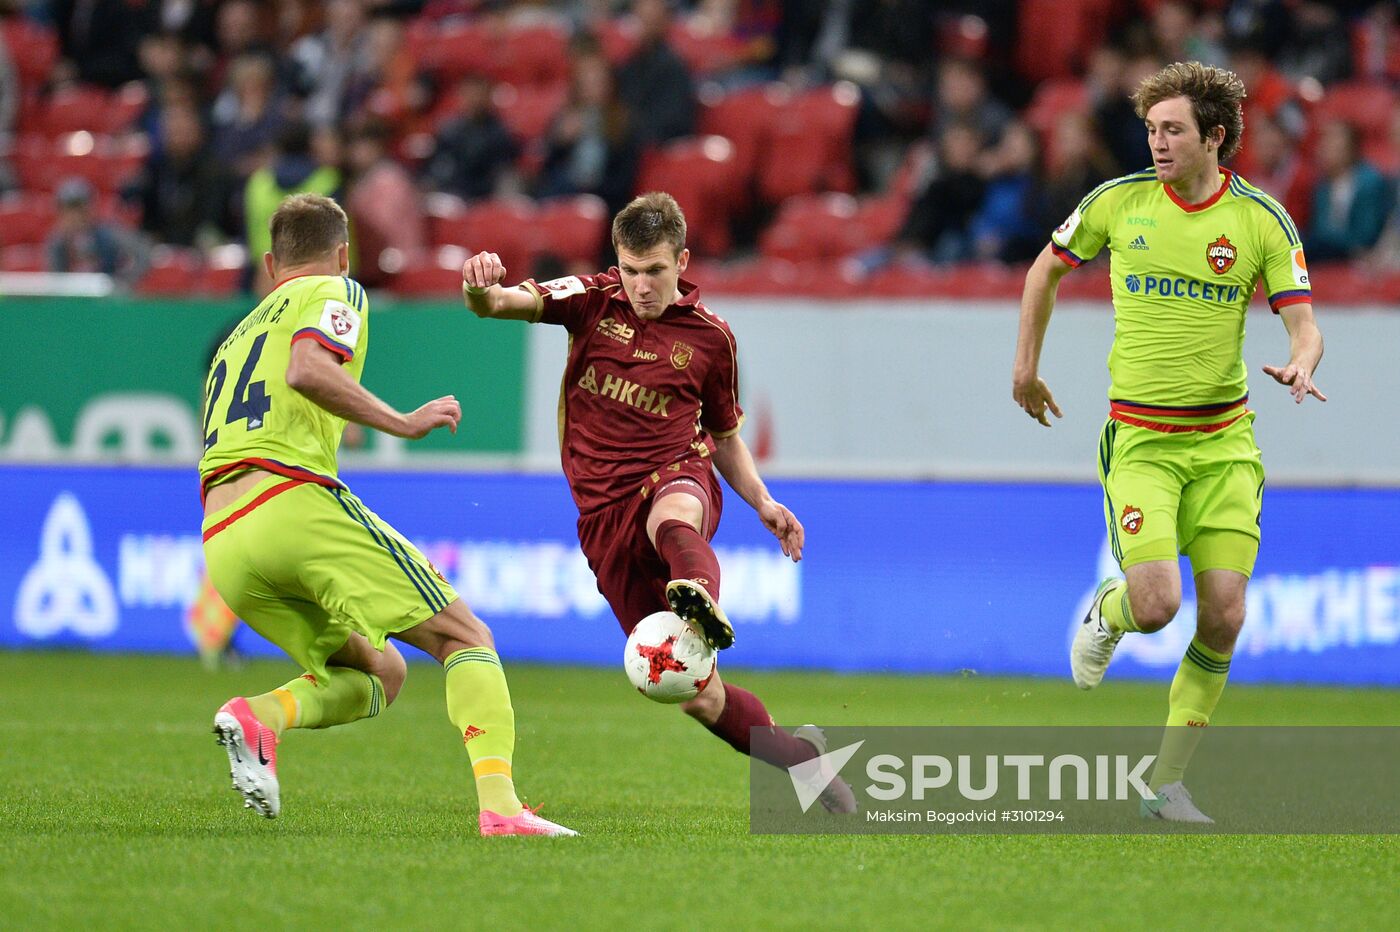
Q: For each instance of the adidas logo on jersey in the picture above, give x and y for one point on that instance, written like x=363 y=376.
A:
x=1139 y=243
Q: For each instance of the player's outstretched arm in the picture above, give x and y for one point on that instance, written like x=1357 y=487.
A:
x=315 y=372
x=485 y=296
x=1305 y=352
x=735 y=463
x=1028 y=389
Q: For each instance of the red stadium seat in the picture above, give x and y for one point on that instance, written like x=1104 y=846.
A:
x=528 y=109
x=33 y=49
x=1056 y=35
x=436 y=275
x=619 y=38
x=744 y=118
x=108 y=163
x=1366 y=106
x=173 y=272
x=23 y=259
x=71 y=109
x=813 y=226
x=699 y=172
x=452 y=50
x=534 y=54
x=1053 y=98
x=809 y=148
x=505 y=226
x=25 y=219
x=573 y=228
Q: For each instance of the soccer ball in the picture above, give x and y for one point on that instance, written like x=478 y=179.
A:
x=666 y=660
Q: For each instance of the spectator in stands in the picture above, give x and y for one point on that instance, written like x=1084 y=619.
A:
x=390 y=88
x=185 y=192
x=1319 y=46
x=239 y=30
x=938 y=226
x=1271 y=95
x=473 y=153
x=1274 y=161
x=100 y=38
x=1177 y=35
x=1077 y=162
x=382 y=201
x=294 y=169
x=334 y=62
x=963 y=98
x=1351 y=201
x=591 y=144
x=1007 y=226
x=247 y=121
x=1387 y=252
x=654 y=84
x=82 y=243
x=1123 y=131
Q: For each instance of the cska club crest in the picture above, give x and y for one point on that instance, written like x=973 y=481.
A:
x=1131 y=519
x=680 y=354
x=1220 y=255
x=340 y=323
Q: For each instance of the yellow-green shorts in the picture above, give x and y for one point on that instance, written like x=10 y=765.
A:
x=1190 y=492
x=305 y=565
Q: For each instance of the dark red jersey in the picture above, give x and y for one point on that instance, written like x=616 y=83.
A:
x=637 y=395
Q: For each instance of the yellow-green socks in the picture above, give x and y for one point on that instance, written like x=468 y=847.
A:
x=1194 y=694
x=346 y=695
x=1117 y=613
x=478 y=702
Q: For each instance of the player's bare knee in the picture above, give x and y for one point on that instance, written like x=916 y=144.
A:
x=1153 y=609
x=1218 y=626
x=392 y=672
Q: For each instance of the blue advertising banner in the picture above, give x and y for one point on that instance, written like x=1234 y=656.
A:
x=908 y=577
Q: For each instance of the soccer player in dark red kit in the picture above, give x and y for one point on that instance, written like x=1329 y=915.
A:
x=649 y=409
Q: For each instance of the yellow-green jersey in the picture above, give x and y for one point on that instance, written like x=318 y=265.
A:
x=252 y=417
x=1183 y=276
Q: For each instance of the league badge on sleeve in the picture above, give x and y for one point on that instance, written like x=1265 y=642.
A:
x=340 y=321
x=563 y=287
x=1221 y=255
x=1300 y=269
x=1065 y=231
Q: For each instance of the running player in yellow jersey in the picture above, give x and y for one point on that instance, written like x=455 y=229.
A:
x=301 y=559
x=1181 y=473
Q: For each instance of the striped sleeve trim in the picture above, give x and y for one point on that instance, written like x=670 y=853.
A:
x=354 y=293
x=1286 y=298
x=1067 y=257
x=311 y=333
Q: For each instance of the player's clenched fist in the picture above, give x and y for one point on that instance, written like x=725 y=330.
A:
x=483 y=270
x=440 y=412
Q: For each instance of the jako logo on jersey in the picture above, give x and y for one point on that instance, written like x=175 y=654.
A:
x=616 y=330
x=1139 y=243
x=1131 y=519
x=1163 y=287
x=643 y=354
x=681 y=353
x=1220 y=255
x=627 y=392
x=1300 y=269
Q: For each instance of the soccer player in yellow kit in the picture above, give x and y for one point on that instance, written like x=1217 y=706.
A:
x=301 y=559
x=1181 y=473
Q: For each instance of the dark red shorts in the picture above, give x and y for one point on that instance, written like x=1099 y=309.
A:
x=630 y=574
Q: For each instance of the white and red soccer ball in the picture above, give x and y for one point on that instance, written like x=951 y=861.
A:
x=666 y=660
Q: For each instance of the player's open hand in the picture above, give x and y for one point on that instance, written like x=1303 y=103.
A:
x=1298 y=379
x=1035 y=399
x=440 y=412
x=785 y=527
x=483 y=270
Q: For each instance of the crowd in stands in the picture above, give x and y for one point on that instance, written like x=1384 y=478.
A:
x=893 y=145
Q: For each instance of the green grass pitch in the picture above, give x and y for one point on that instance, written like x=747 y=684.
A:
x=117 y=814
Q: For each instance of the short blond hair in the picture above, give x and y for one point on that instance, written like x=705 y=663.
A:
x=307 y=227
x=648 y=221
x=1216 y=95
